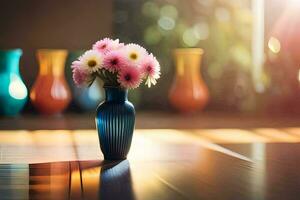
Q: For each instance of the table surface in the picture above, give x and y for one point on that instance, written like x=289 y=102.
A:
x=233 y=164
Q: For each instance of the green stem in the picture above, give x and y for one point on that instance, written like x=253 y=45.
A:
x=109 y=79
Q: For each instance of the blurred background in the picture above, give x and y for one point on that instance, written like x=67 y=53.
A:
x=250 y=61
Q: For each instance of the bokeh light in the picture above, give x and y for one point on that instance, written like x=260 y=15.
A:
x=190 y=38
x=201 y=31
x=166 y=23
x=169 y=11
x=150 y=9
x=274 y=45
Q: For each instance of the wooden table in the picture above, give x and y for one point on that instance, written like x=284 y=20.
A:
x=233 y=164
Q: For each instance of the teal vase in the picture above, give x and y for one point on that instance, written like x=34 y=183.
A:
x=86 y=98
x=13 y=92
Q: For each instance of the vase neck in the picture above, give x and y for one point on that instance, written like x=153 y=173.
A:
x=188 y=61
x=116 y=94
x=9 y=60
x=52 y=62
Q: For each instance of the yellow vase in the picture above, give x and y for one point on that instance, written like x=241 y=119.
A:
x=188 y=93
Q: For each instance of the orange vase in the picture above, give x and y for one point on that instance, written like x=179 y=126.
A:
x=50 y=93
x=188 y=92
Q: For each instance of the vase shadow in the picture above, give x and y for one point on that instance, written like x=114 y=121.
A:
x=115 y=181
x=104 y=180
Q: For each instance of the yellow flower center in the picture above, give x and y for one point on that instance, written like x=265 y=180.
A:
x=133 y=56
x=92 y=63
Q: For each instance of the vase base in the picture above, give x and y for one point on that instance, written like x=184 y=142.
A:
x=114 y=158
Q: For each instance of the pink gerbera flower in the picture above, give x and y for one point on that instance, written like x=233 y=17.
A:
x=105 y=45
x=81 y=77
x=130 y=77
x=150 y=69
x=75 y=64
x=114 y=61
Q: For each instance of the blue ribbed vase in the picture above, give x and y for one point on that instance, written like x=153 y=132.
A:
x=115 y=121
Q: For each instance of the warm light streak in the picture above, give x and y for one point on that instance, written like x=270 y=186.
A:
x=277 y=135
x=258 y=153
x=229 y=136
x=189 y=137
x=148 y=144
x=90 y=182
x=258 y=42
x=293 y=131
x=75 y=185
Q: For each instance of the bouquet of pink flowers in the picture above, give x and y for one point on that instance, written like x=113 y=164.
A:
x=117 y=64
